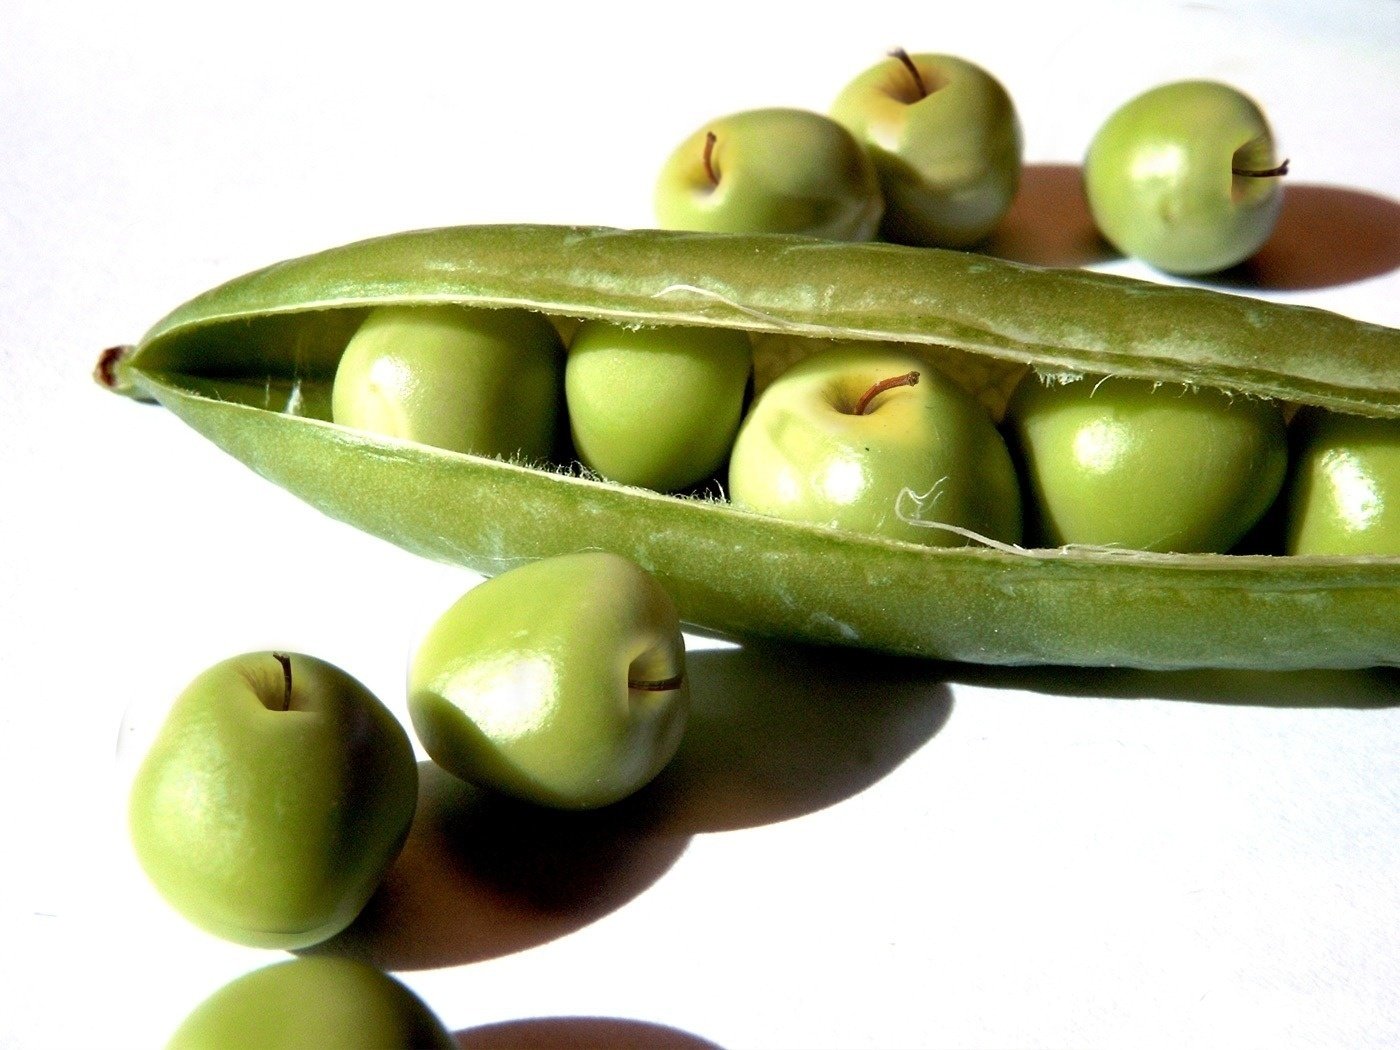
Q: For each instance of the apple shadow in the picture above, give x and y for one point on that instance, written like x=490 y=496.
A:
x=579 y=1033
x=1375 y=688
x=1326 y=236
x=482 y=875
x=775 y=731
x=1049 y=223
x=780 y=730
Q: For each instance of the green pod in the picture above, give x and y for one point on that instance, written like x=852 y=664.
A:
x=249 y=365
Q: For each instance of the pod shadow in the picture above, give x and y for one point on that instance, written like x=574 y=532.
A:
x=1375 y=688
x=579 y=1033
x=775 y=731
x=1049 y=223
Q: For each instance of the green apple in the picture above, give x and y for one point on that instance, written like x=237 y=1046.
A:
x=771 y=171
x=873 y=440
x=1344 y=491
x=1134 y=464
x=946 y=143
x=467 y=379
x=1185 y=177
x=315 y=1003
x=655 y=407
x=273 y=799
x=561 y=682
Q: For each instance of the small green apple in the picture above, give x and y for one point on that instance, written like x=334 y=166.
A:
x=467 y=379
x=1344 y=492
x=771 y=171
x=873 y=440
x=561 y=682
x=1185 y=177
x=309 y=1004
x=655 y=407
x=946 y=143
x=273 y=800
x=1134 y=464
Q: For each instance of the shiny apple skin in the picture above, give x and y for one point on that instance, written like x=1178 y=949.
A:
x=1160 y=184
x=561 y=682
x=655 y=407
x=1132 y=464
x=270 y=827
x=778 y=171
x=466 y=379
x=949 y=161
x=922 y=453
x=1344 y=488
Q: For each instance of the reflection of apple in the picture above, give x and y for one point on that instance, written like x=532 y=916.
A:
x=1185 y=177
x=873 y=440
x=1130 y=463
x=1344 y=493
x=561 y=682
x=945 y=140
x=771 y=171
x=655 y=407
x=467 y=379
x=273 y=800
x=321 y=1001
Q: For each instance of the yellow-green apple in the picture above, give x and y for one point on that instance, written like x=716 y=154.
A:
x=873 y=440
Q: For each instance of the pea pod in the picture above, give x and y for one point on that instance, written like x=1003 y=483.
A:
x=250 y=363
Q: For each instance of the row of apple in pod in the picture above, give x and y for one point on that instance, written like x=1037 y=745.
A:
x=871 y=438
x=926 y=150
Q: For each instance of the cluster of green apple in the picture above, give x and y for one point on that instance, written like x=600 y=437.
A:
x=919 y=149
x=279 y=789
x=870 y=438
x=926 y=150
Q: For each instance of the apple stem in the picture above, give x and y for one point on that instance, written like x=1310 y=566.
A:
x=660 y=686
x=908 y=379
x=710 y=139
x=908 y=63
x=1266 y=173
x=286 y=662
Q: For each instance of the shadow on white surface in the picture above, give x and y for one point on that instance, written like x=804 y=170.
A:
x=1049 y=222
x=776 y=732
x=1326 y=236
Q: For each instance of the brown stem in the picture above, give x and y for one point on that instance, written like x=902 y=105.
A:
x=708 y=158
x=908 y=62
x=908 y=379
x=1265 y=173
x=286 y=662
x=661 y=686
x=107 y=363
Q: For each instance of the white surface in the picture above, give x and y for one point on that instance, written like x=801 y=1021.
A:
x=892 y=854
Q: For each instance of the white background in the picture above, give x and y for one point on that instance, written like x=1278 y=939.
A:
x=851 y=851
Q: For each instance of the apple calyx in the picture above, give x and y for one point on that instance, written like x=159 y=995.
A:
x=863 y=405
x=903 y=57
x=708 y=157
x=1263 y=173
x=286 y=662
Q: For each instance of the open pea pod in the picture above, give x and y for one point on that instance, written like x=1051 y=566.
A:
x=250 y=364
